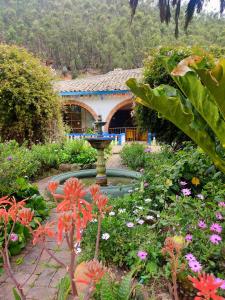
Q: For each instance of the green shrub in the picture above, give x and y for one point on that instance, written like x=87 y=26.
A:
x=16 y=161
x=134 y=156
x=30 y=105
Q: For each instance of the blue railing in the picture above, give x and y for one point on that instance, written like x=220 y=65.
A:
x=119 y=139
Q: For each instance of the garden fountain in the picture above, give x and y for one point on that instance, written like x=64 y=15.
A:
x=113 y=182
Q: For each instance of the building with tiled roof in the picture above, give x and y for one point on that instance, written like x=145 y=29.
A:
x=106 y=95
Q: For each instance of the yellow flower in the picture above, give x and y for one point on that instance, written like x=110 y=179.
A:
x=195 y=181
x=178 y=239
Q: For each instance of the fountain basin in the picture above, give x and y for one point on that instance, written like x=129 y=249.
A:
x=99 y=143
x=127 y=180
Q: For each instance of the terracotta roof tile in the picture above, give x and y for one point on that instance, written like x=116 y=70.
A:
x=113 y=80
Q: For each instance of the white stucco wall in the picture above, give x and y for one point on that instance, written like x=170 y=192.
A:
x=101 y=104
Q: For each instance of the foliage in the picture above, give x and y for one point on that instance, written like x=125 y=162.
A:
x=133 y=156
x=142 y=220
x=21 y=162
x=155 y=74
x=201 y=82
x=57 y=31
x=108 y=289
x=30 y=108
x=165 y=10
x=36 y=203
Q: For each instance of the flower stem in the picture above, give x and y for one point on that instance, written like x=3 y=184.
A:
x=98 y=237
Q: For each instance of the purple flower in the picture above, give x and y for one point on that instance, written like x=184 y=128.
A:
x=219 y=216
x=200 y=196
x=186 y=192
x=142 y=255
x=130 y=224
x=9 y=158
x=215 y=239
x=145 y=184
x=216 y=228
x=219 y=280
x=188 y=238
x=147 y=150
x=14 y=237
x=183 y=183
x=221 y=204
x=202 y=225
x=190 y=257
x=195 y=266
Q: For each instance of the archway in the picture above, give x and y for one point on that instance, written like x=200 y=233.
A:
x=78 y=116
x=120 y=116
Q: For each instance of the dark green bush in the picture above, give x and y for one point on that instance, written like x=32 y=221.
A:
x=30 y=109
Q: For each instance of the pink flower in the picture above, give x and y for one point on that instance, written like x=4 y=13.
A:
x=186 y=192
x=219 y=280
x=195 y=266
x=148 y=149
x=141 y=170
x=190 y=257
x=142 y=255
x=14 y=237
x=145 y=184
x=216 y=228
x=215 y=239
x=130 y=224
x=183 y=183
x=219 y=216
x=188 y=238
x=221 y=204
x=202 y=225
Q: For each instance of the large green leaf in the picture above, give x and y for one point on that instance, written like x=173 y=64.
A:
x=199 y=94
x=170 y=104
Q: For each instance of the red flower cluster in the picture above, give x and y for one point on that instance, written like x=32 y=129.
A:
x=75 y=212
x=99 y=199
x=15 y=211
x=42 y=232
x=207 y=286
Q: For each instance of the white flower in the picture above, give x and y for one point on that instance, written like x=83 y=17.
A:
x=140 y=207
x=148 y=200
x=121 y=210
x=94 y=220
x=78 y=250
x=112 y=213
x=158 y=215
x=140 y=221
x=130 y=191
x=136 y=211
x=130 y=224
x=149 y=218
x=136 y=189
x=105 y=236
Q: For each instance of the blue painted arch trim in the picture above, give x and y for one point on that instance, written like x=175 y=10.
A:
x=86 y=93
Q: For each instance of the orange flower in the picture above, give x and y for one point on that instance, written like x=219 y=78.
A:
x=4 y=215
x=15 y=208
x=25 y=216
x=100 y=200
x=52 y=186
x=93 y=273
x=42 y=232
x=207 y=287
x=64 y=225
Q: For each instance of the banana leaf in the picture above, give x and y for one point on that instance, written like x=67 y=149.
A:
x=199 y=95
x=177 y=109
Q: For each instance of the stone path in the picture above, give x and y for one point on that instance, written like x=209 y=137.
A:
x=43 y=282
